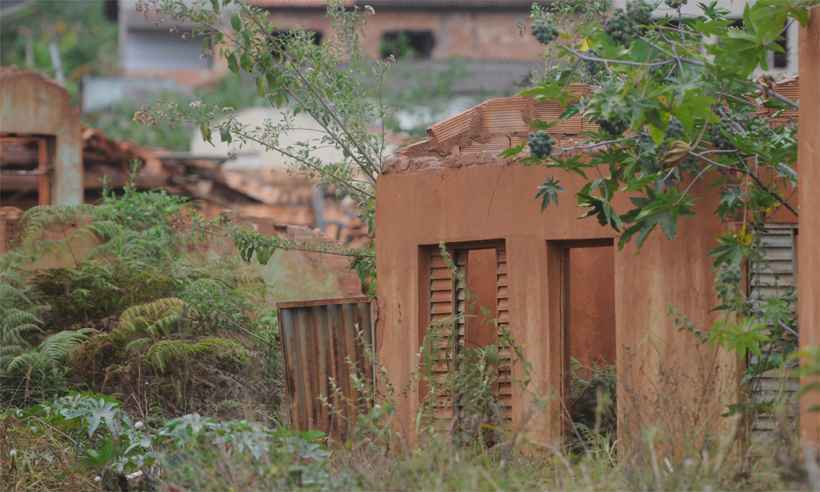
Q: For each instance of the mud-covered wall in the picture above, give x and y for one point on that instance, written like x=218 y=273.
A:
x=808 y=260
x=496 y=202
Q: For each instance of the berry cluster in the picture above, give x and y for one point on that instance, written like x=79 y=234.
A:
x=540 y=143
x=717 y=137
x=544 y=30
x=675 y=4
x=614 y=127
x=675 y=129
x=628 y=24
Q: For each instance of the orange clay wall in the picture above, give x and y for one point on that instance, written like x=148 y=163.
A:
x=665 y=378
x=808 y=259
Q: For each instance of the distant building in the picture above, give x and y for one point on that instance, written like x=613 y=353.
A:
x=433 y=29
x=490 y=38
x=150 y=48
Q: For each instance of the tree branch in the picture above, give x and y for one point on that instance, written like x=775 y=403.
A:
x=752 y=175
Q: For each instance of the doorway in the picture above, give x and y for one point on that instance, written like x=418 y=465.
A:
x=583 y=302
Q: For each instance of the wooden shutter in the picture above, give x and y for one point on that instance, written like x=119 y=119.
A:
x=447 y=306
x=504 y=391
x=442 y=317
x=773 y=275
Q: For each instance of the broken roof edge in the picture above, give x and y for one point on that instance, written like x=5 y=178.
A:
x=478 y=135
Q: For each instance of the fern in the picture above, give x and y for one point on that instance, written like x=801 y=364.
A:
x=16 y=324
x=138 y=345
x=43 y=368
x=154 y=319
x=164 y=353
x=20 y=322
x=37 y=220
x=53 y=350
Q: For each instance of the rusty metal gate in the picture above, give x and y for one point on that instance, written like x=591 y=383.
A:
x=329 y=375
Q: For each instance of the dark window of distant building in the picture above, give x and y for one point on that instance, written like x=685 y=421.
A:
x=781 y=59
x=281 y=36
x=407 y=44
x=279 y=39
x=111 y=10
x=778 y=60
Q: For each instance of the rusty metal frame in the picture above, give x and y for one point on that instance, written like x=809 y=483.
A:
x=43 y=169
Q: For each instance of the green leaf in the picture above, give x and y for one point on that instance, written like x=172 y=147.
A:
x=236 y=22
x=730 y=251
x=656 y=134
x=225 y=134
x=512 y=151
x=103 y=454
x=695 y=107
x=260 y=86
x=548 y=192
x=574 y=164
x=246 y=62
x=548 y=91
x=215 y=6
x=541 y=124
x=233 y=65
x=206 y=132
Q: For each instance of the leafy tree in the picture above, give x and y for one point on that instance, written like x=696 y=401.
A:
x=85 y=40
x=329 y=82
x=677 y=101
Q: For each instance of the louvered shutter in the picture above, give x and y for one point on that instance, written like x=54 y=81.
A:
x=442 y=301
x=448 y=304
x=504 y=390
x=773 y=276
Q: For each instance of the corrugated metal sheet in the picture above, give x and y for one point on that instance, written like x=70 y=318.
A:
x=773 y=276
x=324 y=344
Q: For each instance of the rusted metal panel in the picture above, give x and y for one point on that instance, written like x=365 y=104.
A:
x=36 y=166
x=9 y=227
x=325 y=345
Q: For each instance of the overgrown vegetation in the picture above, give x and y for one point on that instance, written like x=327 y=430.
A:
x=170 y=333
x=680 y=107
x=156 y=314
x=144 y=306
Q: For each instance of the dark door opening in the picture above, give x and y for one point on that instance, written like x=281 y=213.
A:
x=586 y=306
